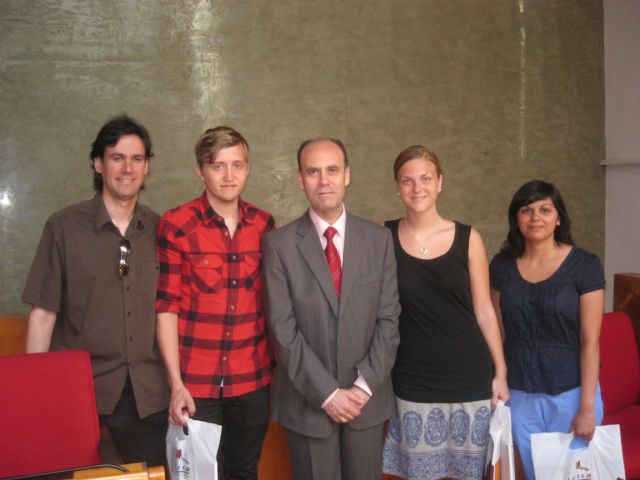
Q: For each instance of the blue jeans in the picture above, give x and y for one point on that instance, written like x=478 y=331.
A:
x=539 y=413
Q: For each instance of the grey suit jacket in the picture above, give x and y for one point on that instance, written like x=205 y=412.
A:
x=320 y=344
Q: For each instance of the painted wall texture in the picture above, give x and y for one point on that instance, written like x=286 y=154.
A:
x=503 y=91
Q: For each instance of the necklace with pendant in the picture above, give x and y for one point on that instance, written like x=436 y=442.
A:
x=422 y=249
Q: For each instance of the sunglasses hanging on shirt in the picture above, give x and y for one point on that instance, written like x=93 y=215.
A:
x=125 y=250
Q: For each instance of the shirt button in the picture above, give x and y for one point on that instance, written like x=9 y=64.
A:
x=228 y=333
x=128 y=314
x=226 y=234
x=206 y=262
x=127 y=288
x=233 y=257
x=224 y=358
x=131 y=339
x=232 y=307
x=234 y=283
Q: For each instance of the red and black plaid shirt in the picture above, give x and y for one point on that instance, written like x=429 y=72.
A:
x=214 y=282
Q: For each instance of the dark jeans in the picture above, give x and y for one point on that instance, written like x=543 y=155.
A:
x=137 y=440
x=244 y=421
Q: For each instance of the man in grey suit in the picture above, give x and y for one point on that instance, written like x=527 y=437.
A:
x=333 y=320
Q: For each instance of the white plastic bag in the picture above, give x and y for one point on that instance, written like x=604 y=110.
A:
x=600 y=460
x=192 y=450
x=501 y=444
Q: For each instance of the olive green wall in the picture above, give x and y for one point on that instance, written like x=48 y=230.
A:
x=503 y=91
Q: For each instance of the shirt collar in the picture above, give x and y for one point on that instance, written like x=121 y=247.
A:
x=209 y=216
x=102 y=218
x=321 y=225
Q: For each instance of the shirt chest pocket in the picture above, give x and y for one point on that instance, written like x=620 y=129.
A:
x=207 y=272
x=251 y=271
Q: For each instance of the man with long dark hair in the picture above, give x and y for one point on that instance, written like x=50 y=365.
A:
x=92 y=287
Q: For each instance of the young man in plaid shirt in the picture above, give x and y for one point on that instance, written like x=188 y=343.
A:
x=211 y=325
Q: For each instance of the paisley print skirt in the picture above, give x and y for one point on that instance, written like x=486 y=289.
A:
x=429 y=441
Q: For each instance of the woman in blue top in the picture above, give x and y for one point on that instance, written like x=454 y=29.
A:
x=549 y=296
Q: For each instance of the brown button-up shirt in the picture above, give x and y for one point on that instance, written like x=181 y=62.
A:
x=75 y=273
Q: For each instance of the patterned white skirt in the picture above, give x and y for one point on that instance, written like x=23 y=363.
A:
x=429 y=441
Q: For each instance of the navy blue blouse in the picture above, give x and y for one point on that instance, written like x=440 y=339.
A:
x=542 y=321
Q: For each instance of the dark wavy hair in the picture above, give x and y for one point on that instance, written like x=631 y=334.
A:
x=110 y=134
x=528 y=193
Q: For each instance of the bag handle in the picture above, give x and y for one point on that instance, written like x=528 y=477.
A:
x=185 y=427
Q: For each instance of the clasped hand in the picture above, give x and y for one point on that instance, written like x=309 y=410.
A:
x=346 y=404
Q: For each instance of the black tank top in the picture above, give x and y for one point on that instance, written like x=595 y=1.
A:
x=442 y=357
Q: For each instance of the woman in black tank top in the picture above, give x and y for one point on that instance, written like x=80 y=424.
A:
x=450 y=369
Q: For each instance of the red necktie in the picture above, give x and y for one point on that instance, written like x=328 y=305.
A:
x=333 y=258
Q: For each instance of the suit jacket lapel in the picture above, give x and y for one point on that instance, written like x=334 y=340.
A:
x=311 y=250
x=352 y=256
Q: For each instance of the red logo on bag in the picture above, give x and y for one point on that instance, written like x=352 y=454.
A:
x=178 y=453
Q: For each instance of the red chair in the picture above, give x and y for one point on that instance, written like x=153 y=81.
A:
x=48 y=416
x=620 y=384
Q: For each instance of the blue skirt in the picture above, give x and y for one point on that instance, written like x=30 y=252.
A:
x=429 y=441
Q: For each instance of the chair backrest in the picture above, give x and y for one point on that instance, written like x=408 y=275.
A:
x=620 y=363
x=48 y=415
x=13 y=334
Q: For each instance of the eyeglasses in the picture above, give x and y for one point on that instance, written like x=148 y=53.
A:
x=125 y=249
